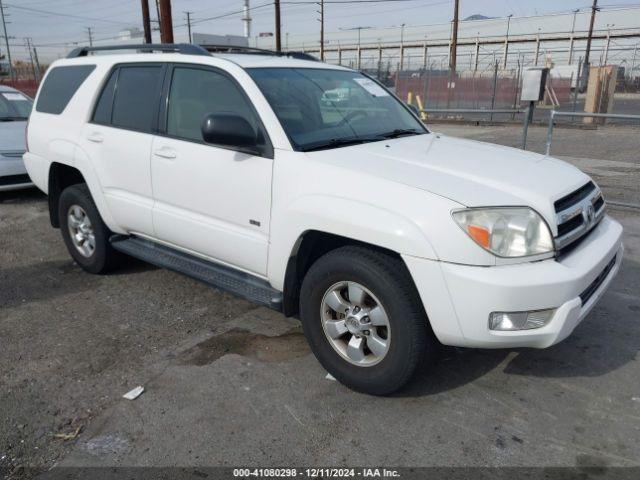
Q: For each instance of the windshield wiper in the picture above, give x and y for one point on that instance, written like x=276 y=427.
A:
x=401 y=132
x=12 y=119
x=340 y=142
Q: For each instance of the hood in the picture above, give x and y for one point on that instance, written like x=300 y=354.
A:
x=12 y=136
x=469 y=172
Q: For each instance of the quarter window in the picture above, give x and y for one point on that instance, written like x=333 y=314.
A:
x=136 y=97
x=102 y=113
x=196 y=93
x=60 y=86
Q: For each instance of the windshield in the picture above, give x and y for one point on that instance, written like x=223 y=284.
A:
x=14 y=106
x=324 y=108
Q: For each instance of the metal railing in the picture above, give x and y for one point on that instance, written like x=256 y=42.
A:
x=470 y=110
x=556 y=113
x=489 y=111
x=622 y=116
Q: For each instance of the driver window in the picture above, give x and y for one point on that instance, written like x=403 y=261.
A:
x=195 y=93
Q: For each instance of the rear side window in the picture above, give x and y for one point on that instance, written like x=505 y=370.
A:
x=137 y=93
x=60 y=86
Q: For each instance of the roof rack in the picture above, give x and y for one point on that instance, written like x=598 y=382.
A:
x=214 y=48
x=256 y=51
x=183 y=48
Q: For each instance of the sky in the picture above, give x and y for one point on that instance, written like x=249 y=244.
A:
x=52 y=25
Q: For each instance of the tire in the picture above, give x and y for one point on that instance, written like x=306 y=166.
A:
x=97 y=255
x=386 y=283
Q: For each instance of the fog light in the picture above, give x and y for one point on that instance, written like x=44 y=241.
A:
x=520 y=320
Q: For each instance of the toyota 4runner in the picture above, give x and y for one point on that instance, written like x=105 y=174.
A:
x=249 y=172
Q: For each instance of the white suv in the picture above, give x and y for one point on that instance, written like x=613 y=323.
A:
x=239 y=169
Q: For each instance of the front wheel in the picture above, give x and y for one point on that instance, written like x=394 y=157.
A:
x=364 y=320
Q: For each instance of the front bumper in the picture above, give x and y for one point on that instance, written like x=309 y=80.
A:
x=459 y=298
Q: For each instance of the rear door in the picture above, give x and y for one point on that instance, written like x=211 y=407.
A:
x=118 y=140
x=211 y=200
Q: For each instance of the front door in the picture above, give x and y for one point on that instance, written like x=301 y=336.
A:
x=211 y=200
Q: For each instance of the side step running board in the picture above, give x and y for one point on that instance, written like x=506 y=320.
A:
x=225 y=278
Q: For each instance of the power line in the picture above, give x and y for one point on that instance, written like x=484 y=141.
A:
x=224 y=15
x=302 y=2
x=47 y=12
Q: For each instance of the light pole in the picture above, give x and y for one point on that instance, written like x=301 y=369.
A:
x=359 y=29
x=573 y=29
x=506 y=43
x=573 y=25
x=606 y=48
x=537 y=54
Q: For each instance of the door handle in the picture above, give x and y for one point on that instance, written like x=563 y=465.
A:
x=165 y=152
x=95 y=137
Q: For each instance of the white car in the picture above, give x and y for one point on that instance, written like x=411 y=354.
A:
x=14 y=111
x=384 y=238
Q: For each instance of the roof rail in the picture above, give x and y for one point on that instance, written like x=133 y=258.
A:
x=183 y=48
x=302 y=56
x=256 y=51
x=237 y=49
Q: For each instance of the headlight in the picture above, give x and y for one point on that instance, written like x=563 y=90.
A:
x=506 y=231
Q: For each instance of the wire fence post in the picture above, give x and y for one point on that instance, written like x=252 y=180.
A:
x=576 y=88
x=527 y=120
x=517 y=88
x=550 y=131
x=493 y=95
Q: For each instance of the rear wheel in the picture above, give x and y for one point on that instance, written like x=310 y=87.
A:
x=84 y=233
x=364 y=320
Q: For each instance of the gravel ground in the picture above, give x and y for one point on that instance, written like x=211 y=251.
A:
x=72 y=342
x=228 y=383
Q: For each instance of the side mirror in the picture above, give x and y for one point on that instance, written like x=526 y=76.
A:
x=414 y=109
x=229 y=129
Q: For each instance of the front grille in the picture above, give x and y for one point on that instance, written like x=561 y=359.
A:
x=576 y=215
x=574 y=197
x=593 y=286
x=14 y=180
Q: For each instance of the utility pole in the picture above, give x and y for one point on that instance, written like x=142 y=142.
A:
x=321 y=12
x=278 y=42
x=188 y=14
x=166 y=23
x=35 y=57
x=146 y=21
x=90 y=36
x=454 y=41
x=585 y=65
x=246 y=19
x=6 y=41
x=33 y=67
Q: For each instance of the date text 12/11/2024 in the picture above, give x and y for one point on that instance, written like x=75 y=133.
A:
x=315 y=472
